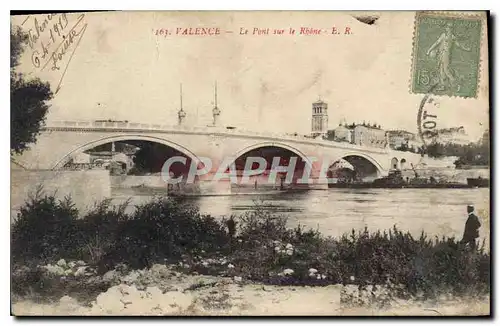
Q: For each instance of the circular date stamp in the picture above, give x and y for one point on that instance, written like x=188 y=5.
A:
x=427 y=120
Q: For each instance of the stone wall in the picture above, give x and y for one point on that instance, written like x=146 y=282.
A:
x=85 y=187
x=132 y=181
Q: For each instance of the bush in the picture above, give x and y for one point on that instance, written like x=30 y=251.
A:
x=422 y=266
x=40 y=286
x=258 y=226
x=98 y=230
x=164 y=229
x=44 y=229
x=262 y=248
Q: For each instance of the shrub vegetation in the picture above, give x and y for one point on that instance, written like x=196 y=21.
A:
x=262 y=249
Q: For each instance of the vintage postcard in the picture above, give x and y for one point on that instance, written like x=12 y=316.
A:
x=250 y=163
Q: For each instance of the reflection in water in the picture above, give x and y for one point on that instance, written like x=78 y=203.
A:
x=439 y=212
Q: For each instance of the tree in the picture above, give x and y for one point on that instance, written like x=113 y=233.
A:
x=404 y=147
x=28 y=98
x=435 y=150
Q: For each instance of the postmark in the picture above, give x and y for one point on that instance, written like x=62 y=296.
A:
x=427 y=119
x=446 y=54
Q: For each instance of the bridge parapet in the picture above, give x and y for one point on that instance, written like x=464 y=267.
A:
x=213 y=130
x=61 y=139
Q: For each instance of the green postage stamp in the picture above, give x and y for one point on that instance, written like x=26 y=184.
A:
x=446 y=54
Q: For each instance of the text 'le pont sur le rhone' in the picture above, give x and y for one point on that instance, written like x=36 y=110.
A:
x=258 y=31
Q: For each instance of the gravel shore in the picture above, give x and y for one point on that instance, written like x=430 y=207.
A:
x=162 y=291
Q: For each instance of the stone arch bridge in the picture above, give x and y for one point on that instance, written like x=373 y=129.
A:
x=59 y=141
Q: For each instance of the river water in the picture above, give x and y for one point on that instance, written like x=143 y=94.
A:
x=438 y=212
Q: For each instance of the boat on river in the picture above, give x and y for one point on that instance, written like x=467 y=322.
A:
x=351 y=185
x=395 y=180
x=478 y=182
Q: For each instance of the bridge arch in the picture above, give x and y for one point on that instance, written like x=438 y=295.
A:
x=365 y=156
x=106 y=140
x=277 y=145
x=402 y=163
x=395 y=163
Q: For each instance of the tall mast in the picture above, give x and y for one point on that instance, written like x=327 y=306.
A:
x=181 y=95
x=181 y=114
x=215 y=110
x=215 y=93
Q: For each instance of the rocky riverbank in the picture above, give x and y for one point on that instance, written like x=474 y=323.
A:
x=161 y=290
x=240 y=300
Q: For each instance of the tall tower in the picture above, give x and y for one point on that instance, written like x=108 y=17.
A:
x=319 y=124
x=181 y=114
x=215 y=110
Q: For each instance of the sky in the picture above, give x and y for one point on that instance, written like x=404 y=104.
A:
x=120 y=69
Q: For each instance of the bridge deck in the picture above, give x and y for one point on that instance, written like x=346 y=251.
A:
x=118 y=126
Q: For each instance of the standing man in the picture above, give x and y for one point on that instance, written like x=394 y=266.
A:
x=472 y=225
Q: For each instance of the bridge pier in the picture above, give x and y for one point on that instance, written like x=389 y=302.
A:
x=319 y=183
x=201 y=187
x=214 y=188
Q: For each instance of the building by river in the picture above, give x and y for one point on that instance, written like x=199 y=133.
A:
x=118 y=160
x=363 y=134
x=456 y=135
x=399 y=139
